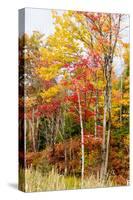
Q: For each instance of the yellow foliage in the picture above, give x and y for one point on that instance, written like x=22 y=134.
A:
x=29 y=101
x=48 y=73
x=125 y=102
x=126 y=53
x=51 y=92
x=125 y=116
x=116 y=124
x=47 y=55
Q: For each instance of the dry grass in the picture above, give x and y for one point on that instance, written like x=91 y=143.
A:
x=36 y=182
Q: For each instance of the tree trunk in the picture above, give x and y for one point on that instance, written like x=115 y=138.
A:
x=64 y=135
x=53 y=137
x=96 y=113
x=104 y=134
x=25 y=133
x=109 y=123
x=121 y=90
x=46 y=133
x=37 y=133
x=29 y=135
x=33 y=132
x=82 y=138
x=107 y=113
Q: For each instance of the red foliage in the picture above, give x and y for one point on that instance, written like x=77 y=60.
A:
x=49 y=107
x=118 y=163
x=120 y=180
x=92 y=142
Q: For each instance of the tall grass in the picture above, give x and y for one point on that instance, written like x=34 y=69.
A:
x=36 y=182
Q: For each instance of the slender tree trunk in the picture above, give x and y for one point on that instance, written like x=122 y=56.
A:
x=46 y=133
x=53 y=136
x=82 y=138
x=37 y=133
x=49 y=131
x=65 y=154
x=29 y=134
x=96 y=113
x=64 y=136
x=121 y=90
x=85 y=100
x=108 y=59
x=70 y=149
x=104 y=134
x=25 y=133
x=107 y=113
x=33 y=132
x=109 y=122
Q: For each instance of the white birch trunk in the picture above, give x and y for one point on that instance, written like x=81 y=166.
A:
x=33 y=131
x=82 y=138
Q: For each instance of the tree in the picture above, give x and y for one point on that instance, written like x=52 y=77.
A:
x=107 y=30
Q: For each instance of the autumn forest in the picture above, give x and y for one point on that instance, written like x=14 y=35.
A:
x=74 y=103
